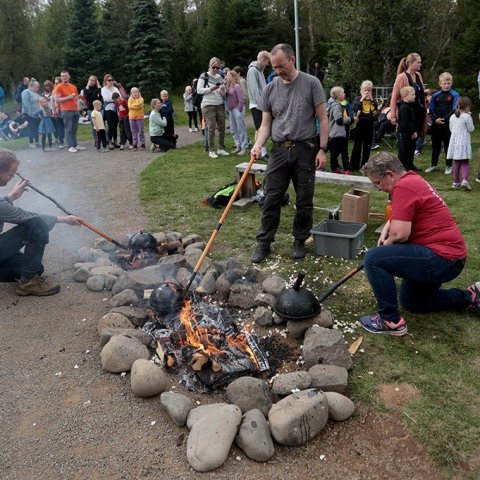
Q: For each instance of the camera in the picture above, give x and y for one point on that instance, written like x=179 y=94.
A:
x=218 y=84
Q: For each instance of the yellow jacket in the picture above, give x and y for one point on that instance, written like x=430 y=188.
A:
x=135 y=108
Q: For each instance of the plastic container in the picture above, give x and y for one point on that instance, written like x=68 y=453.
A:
x=336 y=238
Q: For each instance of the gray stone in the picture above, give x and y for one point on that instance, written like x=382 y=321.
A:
x=254 y=275
x=105 y=245
x=183 y=277
x=119 y=354
x=113 y=320
x=297 y=328
x=278 y=320
x=202 y=411
x=284 y=383
x=138 y=316
x=191 y=250
x=160 y=237
x=100 y=254
x=149 y=277
x=298 y=418
x=324 y=319
x=125 y=297
x=96 y=283
x=103 y=262
x=274 y=285
x=192 y=259
x=242 y=294
x=211 y=437
x=88 y=265
x=124 y=282
x=226 y=280
x=107 y=270
x=110 y=281
x=254 y=437
x=220 y=266
x=265 y=300
x=175 y=261
x=233 y=264
x=200 y=245
x=326 y=346
x=190 y=239
x=85 y=254
x=107 y=333
x=329 y=378
x=148 y=379
x=82 y=274
x=263 y=316
x=174 y=236
x=340 y=408
x=207 y=285
x=250 y=393
x=177 y=406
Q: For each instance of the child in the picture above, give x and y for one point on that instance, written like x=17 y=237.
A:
x=365 y=108
x=123 y=120
x=337 y=120
x=168 y=112
x=46 y=127
x=407 y=134
x=442 y=105
x=460 y=147
x=157 y=123
x=136 y=115
x=5 y=122
x=190 y=109
x=99 y=126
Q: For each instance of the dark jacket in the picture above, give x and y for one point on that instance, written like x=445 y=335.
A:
x=406 y=118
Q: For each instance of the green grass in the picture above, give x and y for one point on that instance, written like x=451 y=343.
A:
x=441 y=356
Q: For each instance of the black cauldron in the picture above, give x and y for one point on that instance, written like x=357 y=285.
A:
x=142 y=241
x=166 y=299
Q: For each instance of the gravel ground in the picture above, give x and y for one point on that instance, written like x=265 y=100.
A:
x=63 y=417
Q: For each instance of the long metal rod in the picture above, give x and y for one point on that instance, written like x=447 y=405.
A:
x=346 y=277
x=240 y=183
x=83 y=222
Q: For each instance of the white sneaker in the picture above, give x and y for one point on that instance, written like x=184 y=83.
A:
x=222 y=152
x=432 y=169
x=243 y=152
x=477 y=179
x=72 y=150
x=455 y=185
x=236 y=150
x=130 y=147
x=60 y=147
x=32 y=145
x=448 y=170
x=78 y=147
x=212 y=155
x=190 y=130
x=466 y=186
x=195 y=129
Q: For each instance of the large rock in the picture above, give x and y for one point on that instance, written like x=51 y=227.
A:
x=183 y=277
x=207 y=284
x=250 y=393
x=113 y=320
x=174 y=261
x=97 y=254
x=138 y=316
x=124 y=282
x=274 y=285
x=202 y=411
x=110 y=281
x=326 y=346
x=329 y=378
x=297 y=328
x=125 y=297
x=254 y=437
x=178 y=406
x=298 y=418
x=265 y=300
x=285 y=383
x=105 y=245
x=263 y=316
x=82 y=274
x=192 y=259
x=96 y=283
x=148 y=379
x=107 y=333
x=339 y=407
x=119 y=354
x=226 y=280
x=107 y=270
x=190 y=239
x=85 y=254
x=211 y=437
x=149 y=277
x=242 y=294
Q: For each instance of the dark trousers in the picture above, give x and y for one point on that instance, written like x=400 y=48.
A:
x=406 y=150
x=362 y=144
x=59 y=129
x=46 y=136
x=33 y=124
x=339 y=146
x=111 y=118
x=381 y=128
x=125 y=132
x=298 y=165
x=100 y=138
x=33 y=235
x=162 y=142
x=192 y=119
x=440 y=135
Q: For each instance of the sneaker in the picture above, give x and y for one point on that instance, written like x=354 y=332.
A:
x=130 y=147
x=236 y=150
x=415 y=168
x=417 y=153
x=455 y=185
x=466 y=186
x=474 y=290
x=375 y=146
x=32 y=145
x=222 y=152
x=338 y=170
x=37 y=286
x=142 y=146
x=72 y=150
x=375 y=324
x=122 y=147
x=195 y=130
x=100 y=150
x=79 y=147
x=153 y=147
x=477 y=178
x=348 y=172
x=448 y=170
x=60 y=147
x=212 y=154
x=190 y=130
x=299 y=250
x=243 y=152
x=262 y=251
x=116 y=145
x=48 y=149
x=111 y=147
x=431 y=169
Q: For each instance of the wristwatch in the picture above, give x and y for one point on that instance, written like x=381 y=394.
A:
x=323 y=148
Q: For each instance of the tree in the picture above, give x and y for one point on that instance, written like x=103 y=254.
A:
x=149 y=55
x=82 y=51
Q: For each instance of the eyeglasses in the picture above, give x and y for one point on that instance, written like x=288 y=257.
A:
x=376 y=183
x=109 y=79
x=214 y=68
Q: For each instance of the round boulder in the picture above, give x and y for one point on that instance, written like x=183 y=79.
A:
x=120 y=353
x=148 y=379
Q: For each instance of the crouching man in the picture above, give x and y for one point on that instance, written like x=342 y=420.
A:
x=30 y=234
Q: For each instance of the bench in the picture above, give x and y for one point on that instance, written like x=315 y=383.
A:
x=248 y=189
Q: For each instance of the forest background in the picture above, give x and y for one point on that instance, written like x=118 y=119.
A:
x=166 y=43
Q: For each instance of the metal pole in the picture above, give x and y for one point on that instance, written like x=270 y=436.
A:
x=297 y=34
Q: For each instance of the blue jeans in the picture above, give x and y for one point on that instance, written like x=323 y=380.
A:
x=422 y=272
x=70 y=122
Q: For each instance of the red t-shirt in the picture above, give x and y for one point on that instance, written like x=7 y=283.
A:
x=415 y=200
x=122 y=108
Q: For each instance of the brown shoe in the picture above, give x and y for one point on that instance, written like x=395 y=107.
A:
x=38 y=287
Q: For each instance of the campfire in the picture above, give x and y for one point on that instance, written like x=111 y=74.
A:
x=204 y=344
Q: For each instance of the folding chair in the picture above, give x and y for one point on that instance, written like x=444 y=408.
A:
x=391 y=140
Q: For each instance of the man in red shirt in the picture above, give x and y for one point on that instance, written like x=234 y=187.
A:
x=66 y=95
x=421 y=244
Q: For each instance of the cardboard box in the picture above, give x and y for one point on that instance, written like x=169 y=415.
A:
x=355 y=205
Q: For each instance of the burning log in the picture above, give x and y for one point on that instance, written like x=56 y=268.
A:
x=199 y=359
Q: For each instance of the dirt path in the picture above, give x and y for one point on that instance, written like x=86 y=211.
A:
x=63 y=417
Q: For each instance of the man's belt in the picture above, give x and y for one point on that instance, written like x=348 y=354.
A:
x=311 y=142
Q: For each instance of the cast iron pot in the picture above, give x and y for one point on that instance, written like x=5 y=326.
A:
x=142 y=241
x=297 y=303
x=166 y=299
